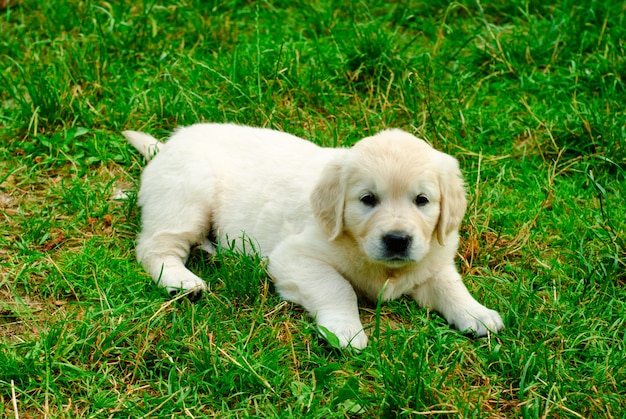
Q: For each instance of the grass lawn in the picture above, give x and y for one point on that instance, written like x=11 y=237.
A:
x=529 y=96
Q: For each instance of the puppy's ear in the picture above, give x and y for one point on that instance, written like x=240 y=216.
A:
x=453 y=201
x=328 y=199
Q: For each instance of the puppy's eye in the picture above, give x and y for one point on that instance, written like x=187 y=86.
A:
x=369 y=199
x=421 y=200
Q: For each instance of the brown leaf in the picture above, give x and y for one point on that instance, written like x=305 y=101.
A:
x=54 y=242
x=107 y=219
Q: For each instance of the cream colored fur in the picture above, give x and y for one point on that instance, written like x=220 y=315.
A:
x=334 y=223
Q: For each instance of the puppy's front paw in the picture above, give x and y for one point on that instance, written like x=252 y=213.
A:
x=478 y=319
x=344 y=335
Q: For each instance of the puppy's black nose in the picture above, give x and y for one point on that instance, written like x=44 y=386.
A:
x=397 y=243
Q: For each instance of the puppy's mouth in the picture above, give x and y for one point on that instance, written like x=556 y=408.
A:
x=396 y=261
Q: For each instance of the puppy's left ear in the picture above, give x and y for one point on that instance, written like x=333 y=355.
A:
x=328 y=199
x=453 y=201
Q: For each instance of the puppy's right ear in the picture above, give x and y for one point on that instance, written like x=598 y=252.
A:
x=328 y=199
x=453 y=200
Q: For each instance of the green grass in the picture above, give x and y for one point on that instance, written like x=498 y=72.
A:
x=529 y=96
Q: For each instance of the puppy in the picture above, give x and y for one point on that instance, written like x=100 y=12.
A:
x=380 y=219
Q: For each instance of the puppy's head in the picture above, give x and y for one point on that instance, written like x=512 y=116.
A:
x=392 y=193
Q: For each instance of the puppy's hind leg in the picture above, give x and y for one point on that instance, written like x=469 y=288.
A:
x=164 y=244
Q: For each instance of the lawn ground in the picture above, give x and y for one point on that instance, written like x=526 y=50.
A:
x=528 y=95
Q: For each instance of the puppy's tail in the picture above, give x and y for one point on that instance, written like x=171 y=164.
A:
x=146 y=144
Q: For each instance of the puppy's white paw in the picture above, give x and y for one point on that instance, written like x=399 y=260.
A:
x=344 y=335
x=478 y=319
x=183 y=281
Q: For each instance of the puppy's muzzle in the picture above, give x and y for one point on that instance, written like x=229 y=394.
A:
x=397 y=245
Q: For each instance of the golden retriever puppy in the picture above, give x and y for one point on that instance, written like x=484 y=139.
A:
x=380 y=217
